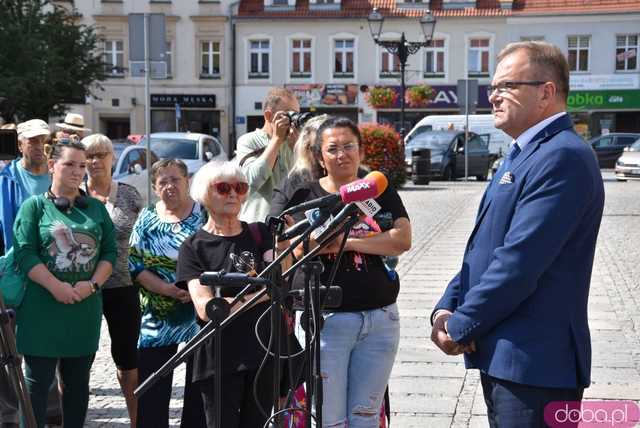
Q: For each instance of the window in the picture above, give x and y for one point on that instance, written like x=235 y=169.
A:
x=604 y=142
x=578 y=53
x=478 y=57
x=210 y=59
x=301 y=58
x=259 y=51
x=627 y=47
x=168 y=57
x=389 y=64
x=344 y=56
x=434 y=57
x=114 y=57
x=625 y=140
x=280 y=2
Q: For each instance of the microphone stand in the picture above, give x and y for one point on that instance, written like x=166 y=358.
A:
x=211 y=328
x=10 y=362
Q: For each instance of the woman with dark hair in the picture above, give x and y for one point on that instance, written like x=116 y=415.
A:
x=359 y=338
x=168 y=317
x=65 y=244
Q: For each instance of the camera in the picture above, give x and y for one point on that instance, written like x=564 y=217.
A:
x=297 y=120
x=8 y=144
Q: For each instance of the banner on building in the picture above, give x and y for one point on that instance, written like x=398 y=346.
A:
x=325 y=95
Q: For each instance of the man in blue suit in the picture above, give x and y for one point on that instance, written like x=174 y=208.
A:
x=518 y=307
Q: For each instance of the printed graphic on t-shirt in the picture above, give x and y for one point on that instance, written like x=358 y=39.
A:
x=72 y=251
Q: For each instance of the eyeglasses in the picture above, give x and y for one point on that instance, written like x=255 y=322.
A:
x=347 y=148
x=504 y=87
x=99 y=155
x=224 y=188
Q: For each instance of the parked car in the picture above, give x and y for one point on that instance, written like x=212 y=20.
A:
x=609 y=147
x=192 y=148
x=447 y=153
x=130 y=166
x=478 y=123
x=628 y=165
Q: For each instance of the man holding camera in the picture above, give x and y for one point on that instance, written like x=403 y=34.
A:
x=266 y=154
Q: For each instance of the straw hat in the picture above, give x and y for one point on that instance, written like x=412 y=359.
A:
x=73 y=122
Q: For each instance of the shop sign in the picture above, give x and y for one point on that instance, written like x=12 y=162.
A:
x=185 y=101
x=603 y=100
x=446 y=97
x=329 y=95
x=598 y=82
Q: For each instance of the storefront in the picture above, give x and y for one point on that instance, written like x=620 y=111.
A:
x=183 y=112
x=605 y=103
x=333 y=99
x=445 y=101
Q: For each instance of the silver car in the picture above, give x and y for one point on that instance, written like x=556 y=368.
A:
x=628 y=165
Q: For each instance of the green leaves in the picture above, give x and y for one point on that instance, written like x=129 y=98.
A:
x=47 y=59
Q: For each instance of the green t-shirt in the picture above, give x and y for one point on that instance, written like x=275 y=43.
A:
x=262 y=179
x=70 y=244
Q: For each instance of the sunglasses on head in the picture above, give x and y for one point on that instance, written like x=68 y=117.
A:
x=224 y=188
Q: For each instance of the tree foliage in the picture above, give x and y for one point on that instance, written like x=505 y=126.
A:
x=47 y=59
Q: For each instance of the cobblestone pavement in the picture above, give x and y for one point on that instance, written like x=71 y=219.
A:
x=430 y=389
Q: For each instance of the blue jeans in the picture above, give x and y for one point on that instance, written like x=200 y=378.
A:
x=357 y=354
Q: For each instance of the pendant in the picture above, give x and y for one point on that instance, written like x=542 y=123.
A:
x=176 y=228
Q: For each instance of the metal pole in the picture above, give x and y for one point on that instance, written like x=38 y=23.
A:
x=147 y=107
x=466 y=129
x=402 y=56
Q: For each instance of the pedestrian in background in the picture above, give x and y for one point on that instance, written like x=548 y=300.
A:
x=65 y=244
x=518 y=307
x=266 y=154
x=168 y=316
x=120 y=299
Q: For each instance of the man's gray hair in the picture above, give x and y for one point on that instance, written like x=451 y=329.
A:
x=547 y=59
x=210 y=173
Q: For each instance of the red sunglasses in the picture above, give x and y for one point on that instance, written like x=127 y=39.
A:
x=224 y=188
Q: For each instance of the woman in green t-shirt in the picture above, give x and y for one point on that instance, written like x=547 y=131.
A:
x=65 y=243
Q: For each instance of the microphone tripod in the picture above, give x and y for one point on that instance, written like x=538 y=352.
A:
x=10 y=363
x=214 y=327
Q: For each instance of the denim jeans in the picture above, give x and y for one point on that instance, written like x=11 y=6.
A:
x=357 y=354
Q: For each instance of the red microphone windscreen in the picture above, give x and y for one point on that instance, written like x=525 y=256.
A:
x=371 y=186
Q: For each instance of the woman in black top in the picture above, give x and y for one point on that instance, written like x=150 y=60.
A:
x=225 y=242
x=359 y=339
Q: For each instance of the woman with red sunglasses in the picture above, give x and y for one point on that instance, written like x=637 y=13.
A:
x=226 y=243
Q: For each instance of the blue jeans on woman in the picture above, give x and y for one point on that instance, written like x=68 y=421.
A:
x=357 y=351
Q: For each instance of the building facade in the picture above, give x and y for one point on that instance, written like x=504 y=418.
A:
x=324 y=52
x=193 y=95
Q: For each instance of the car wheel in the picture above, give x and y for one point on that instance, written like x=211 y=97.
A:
x=421 y=180
x=448 y=174
x=621 y=179
x=481 y=177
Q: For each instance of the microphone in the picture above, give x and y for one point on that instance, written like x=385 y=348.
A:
x=313 y=219
x=369 y=187
x=339 y=218
x=226 y=279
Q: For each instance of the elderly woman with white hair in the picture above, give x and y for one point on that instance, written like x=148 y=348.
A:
x=225 y=242
x=120 y=299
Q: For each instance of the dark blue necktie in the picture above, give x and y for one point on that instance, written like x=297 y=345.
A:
x=506 y=164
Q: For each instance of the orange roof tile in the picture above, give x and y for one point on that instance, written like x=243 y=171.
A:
x=484 y=8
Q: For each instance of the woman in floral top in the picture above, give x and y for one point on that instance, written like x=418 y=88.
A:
x=120 y=302
x=168 y=316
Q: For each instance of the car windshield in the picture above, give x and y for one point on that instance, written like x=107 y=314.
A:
x=635 y=147
x=428 y=140
x=173 y=148
x=118 y=148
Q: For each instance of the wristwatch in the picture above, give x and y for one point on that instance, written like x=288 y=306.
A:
x=94 y=285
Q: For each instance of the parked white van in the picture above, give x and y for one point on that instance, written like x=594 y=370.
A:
x=478 y=123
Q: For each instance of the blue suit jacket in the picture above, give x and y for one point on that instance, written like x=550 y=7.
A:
x=522 y=292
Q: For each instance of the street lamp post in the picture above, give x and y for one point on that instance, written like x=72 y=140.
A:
x=402 y=48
